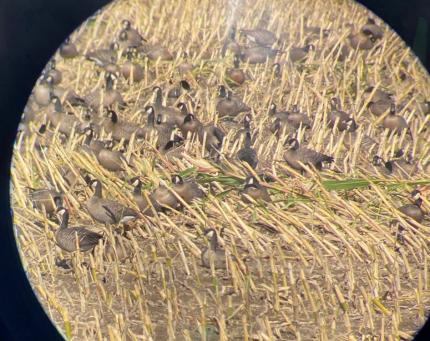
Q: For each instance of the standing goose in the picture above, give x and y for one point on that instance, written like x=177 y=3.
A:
x=71 y=238
x=46 y=199
x=149 y=128
x=121 y=130
x=112 y=160
x=107 y=211
x=229 y=105
x=131 y=70
x=209 y=134
x=260 y=36
x=141 y=201
x=395 y=122
x=187 y=190
x=273 y=111
x=295 y=156
x=213 y=253
x=241 y=133
x=339 y=118
x=133 y=36
x=236 y=74
x=414 y=210
x=247 y=153
x=254 y=190
x=106 y=97
x=164 y=133
x=91 y=145
x=170 y=116
x=191 y=125
x=68 y=50
x=64 y=122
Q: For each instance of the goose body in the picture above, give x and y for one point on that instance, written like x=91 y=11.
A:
x=296 y=155
x=414 y=210
x=254 y=190
x=46 y=199
x=69 y=238
x=68 y=49
x=228 y=105
x=260 y=36
x=257 y=54
x=213 y=253
x=107 y=211
x=187 y=190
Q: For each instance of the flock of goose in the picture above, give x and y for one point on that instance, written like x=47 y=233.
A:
x=172 y=120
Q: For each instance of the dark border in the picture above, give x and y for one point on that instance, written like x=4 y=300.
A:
x=30 y=31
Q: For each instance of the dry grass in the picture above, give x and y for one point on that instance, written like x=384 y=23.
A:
x=320 y=262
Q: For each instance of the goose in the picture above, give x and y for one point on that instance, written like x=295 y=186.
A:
x=247 y=153
x=111 y=160
x=156 y=52
x=64 y=122
x=131 y=70
x=141 y=201
x=71 y=238
x=103 y=57
x=414 y=210
x=260 y=36
x=46 y=199
x=68 y=49
x=176 y=91
x=395 y=122
x=213 y=254
x=91 y=145
x=372 y=29
x=296 y=155
x=170 y=116
x=253 y=189
x=257 y=54
x=121 y=130
x=340 y=119
x=297 y=54
x=132 y=35
x=107 y=211
x=51 y=70
x=236 y=74
x=229 y=105
x=164 y=198
x=361 y=41
x=187 y=190
x=106 y=97
x=212 y=136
